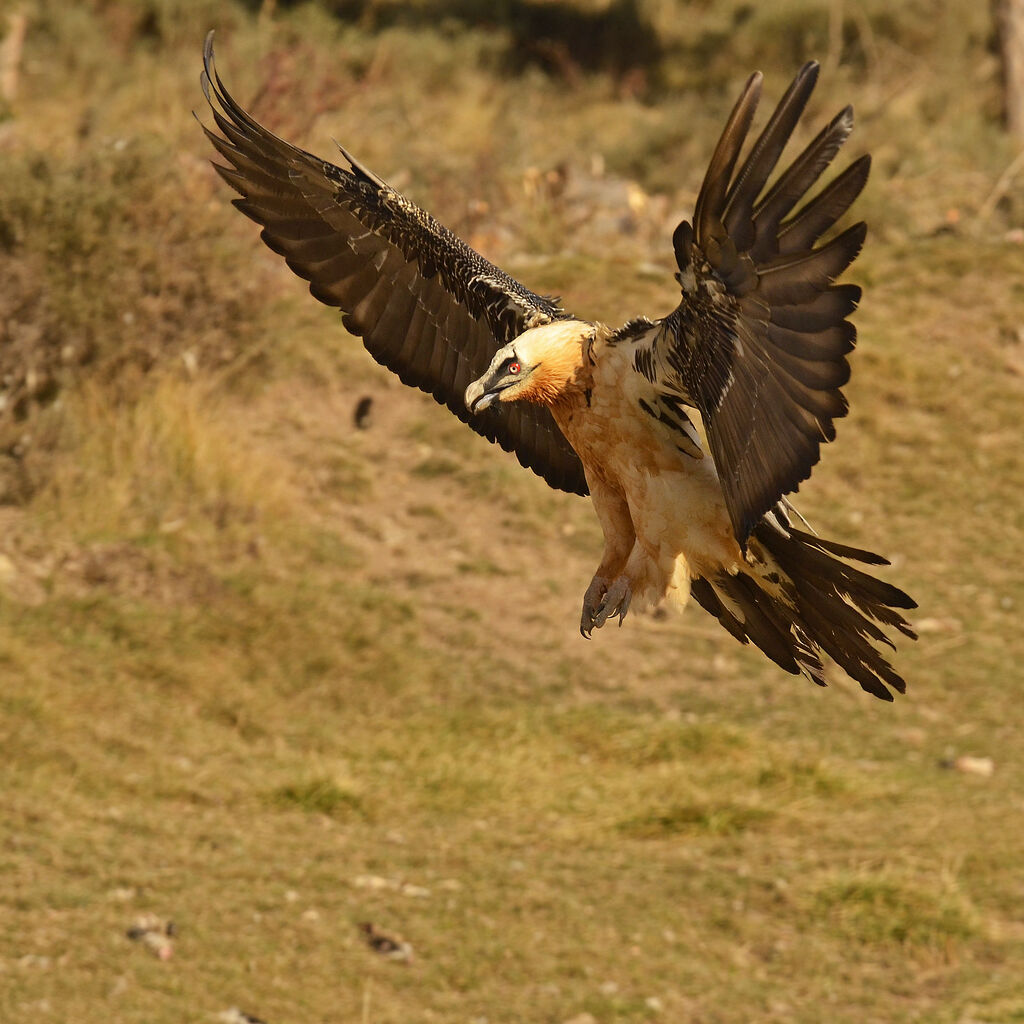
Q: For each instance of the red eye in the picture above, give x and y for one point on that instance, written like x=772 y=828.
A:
x=514 y=367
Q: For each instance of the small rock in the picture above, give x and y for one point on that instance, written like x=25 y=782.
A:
x=391 y=946
x=155 y=934
x=236 y=1016
x=983 y=766
x=377 y=883
x=935 y=625
x=33 y=960
x=373 y=882
x=416 y=891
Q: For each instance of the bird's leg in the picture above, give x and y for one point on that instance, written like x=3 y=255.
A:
x=619 y=538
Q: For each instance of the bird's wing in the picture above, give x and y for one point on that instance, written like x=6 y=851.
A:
x=760 y=339
x=426 y=305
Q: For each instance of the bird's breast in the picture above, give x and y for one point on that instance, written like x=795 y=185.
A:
x=675 y=497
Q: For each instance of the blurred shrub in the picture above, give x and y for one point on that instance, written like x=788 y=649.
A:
x=103 y=260
x=561 y=37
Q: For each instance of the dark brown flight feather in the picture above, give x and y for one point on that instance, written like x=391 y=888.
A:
x=760 y=339
x=426 y=305
x=828 y=606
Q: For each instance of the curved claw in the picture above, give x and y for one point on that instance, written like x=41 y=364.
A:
x=603 y=601
x=616 y=602
x=593 y=600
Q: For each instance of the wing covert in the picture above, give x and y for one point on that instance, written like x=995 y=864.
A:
x=425 y=304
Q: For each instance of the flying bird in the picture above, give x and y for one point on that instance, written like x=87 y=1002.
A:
x=755 y=352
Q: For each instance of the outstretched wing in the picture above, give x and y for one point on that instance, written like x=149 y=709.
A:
x=760 y=339
x=425 y=304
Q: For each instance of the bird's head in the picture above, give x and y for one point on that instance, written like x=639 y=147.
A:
x=538 y=366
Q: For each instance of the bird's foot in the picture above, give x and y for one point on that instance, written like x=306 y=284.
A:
x=591 y=603
x=604 y=601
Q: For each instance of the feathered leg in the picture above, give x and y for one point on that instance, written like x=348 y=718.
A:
x=619 y=541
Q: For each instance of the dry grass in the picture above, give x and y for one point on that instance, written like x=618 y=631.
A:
x=271 y=676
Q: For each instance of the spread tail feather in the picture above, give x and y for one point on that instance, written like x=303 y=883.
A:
x=800 y=598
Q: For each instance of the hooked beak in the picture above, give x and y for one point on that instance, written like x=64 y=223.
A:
x=477 y=397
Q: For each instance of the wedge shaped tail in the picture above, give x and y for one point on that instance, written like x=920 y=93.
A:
x=801 y=598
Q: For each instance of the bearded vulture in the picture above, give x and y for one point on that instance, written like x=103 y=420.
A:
x=756 y=347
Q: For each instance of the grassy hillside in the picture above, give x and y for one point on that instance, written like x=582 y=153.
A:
x=271 y=676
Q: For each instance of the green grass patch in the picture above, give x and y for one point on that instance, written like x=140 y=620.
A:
x=878 y=908
x=436 y=466
x=697 y=819
x=322 y=796
x=647 y=740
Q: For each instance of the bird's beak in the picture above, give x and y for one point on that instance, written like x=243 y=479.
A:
x=477 y=397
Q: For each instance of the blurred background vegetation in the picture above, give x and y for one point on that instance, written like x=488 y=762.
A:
x=270 y=674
